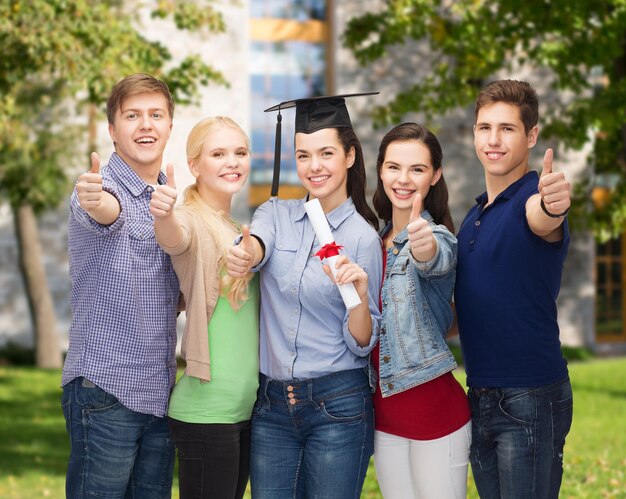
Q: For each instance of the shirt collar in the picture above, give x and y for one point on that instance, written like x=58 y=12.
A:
x=335 y=218
x=509 y=192
x=129 y=178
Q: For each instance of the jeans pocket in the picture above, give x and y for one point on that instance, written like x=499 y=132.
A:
x=562 y=411
x=347 y=408
x=519 y=407
x=259 y=406
x=66 y=406
x=94 y=398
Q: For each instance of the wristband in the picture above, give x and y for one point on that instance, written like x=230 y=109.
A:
x=552 y=215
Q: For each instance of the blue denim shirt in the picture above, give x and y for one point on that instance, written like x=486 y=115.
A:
x=416 y=312
x=304 y=323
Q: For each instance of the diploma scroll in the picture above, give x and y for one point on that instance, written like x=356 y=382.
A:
x=329 y=250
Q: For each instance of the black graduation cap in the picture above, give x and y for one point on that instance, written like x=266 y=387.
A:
x=312 y=114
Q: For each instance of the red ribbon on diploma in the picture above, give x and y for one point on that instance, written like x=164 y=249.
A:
x=328 y=250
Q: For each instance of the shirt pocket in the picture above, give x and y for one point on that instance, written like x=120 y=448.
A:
x=282 y=259
x=142 y=242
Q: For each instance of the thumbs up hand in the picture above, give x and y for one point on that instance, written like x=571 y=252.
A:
x=553 y=187
x=240 y=258
x=421 y=240
x=246 y=241
x=89 y=186
x=164 y=196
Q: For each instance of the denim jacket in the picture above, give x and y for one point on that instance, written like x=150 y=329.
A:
x=416 y=312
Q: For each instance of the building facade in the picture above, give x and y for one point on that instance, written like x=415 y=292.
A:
x=276 y=50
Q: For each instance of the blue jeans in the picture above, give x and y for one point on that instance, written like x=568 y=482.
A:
x=312 y=438
x=518 y=435
x=114 y=452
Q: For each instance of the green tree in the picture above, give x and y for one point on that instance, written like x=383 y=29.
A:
x=581 y=42
x=60 y=59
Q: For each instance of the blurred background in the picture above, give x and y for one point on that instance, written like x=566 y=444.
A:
x=428 y=59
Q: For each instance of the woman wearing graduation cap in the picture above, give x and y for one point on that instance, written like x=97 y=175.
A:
x=312 y=425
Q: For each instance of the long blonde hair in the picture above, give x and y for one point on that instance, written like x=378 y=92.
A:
x=216 y=221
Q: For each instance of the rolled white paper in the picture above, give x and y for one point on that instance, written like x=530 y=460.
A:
x=325 y=236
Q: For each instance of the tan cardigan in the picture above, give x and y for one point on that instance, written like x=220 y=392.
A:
x=195 y=263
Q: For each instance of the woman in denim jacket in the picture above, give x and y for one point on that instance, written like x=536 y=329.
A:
x=422 y=436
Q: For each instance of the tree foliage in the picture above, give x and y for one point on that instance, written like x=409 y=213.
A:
x=61 y=51
x=579 y=45
x=60 y=58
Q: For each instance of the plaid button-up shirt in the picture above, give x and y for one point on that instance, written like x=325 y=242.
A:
x=124 y=298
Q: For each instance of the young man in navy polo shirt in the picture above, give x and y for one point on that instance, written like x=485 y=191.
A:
x=512 y=245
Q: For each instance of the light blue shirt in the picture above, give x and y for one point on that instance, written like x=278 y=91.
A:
x=304 y=323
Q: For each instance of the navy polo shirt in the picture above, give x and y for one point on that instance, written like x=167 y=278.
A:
x=507 y=283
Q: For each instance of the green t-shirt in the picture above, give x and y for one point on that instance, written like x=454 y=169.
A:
x=234 y=349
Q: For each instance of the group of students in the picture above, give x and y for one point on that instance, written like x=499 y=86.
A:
x=283 y=383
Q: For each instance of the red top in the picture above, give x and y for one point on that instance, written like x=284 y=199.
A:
x=425 y=412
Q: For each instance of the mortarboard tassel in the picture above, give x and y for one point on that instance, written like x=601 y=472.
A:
x=277 y=151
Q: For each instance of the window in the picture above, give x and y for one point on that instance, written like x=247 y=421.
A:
x=300 y=10
x=288 y=54
x=610 y=285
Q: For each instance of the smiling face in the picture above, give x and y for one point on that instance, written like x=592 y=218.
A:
x=323 y=165
x=406 y=170
x=141 y=130
x=501 y=142
x=223 y=165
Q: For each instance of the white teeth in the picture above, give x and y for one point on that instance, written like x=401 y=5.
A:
x=401 y=192
x=495 y=155
x=319 y=179
x=146 y=140
x=231 y=176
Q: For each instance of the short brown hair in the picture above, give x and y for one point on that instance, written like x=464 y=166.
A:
x=134 y=84
x=518 y=93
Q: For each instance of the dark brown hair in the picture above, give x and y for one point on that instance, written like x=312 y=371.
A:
x=517 y=93
x=356 y=175
x=436 y=201
x=134 y=84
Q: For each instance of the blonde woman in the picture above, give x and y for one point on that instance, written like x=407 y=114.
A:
x=211 y=404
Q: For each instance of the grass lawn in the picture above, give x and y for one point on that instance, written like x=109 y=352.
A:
x=34 y=445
